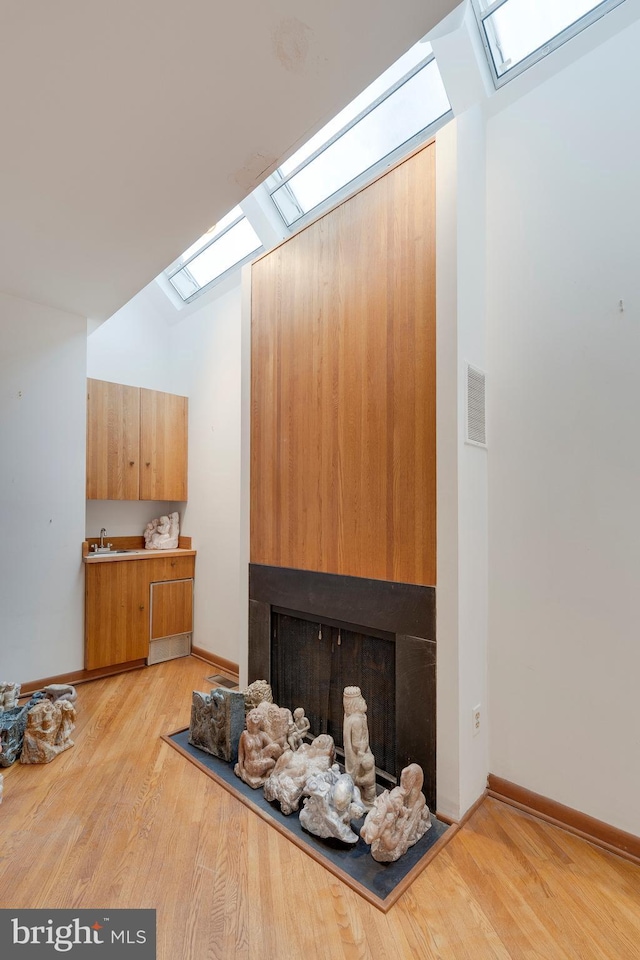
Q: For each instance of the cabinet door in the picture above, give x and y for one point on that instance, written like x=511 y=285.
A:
x=171 y=608
x=113 y=441
x=116 y=613
x=163 y=446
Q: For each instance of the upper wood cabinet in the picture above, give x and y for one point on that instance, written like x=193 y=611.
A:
x=136 y=443
x=163 y=446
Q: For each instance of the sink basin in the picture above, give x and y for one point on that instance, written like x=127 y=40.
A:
x=111 y=553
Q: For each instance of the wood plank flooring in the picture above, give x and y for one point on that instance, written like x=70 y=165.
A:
x=122 y=820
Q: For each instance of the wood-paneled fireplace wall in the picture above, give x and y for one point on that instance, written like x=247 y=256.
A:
x=343 y=471
x=343 y=387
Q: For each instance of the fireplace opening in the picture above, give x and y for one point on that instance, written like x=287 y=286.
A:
x=312 y=661
x=331 y=631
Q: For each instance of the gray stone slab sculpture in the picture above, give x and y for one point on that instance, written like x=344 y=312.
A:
x=286 y=783
x=398 y=818
x=9 y=694
x=12 y=726
x=48 y=732
x=256 y=693
x=217 y=722
x=359 y=761
x=332 y=802
x=298 y=729
x=257 y=752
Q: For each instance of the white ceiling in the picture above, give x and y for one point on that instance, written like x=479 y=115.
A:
x=129 y=126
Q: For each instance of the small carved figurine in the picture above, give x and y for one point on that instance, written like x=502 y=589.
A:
x=257 y=752
x=333 y=801
x=9 y=694
x=298 y=728
x=286 y=783
x=399 y=817
x=48 y=732
x=358 y=758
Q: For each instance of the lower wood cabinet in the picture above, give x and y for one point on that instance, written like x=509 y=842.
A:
x=120 y=617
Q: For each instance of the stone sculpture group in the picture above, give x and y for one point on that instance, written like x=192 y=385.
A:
x=40 y=729
x=272 y=749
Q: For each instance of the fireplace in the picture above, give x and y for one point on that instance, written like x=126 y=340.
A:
x=311 y=634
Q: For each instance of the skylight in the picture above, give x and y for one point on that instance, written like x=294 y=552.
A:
x=517 y=33
x=227 y=244
x=395 y=112
x=397 y=109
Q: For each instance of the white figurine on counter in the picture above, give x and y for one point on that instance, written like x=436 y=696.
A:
x=162 y=533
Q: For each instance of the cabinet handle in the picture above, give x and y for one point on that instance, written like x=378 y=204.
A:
x=148 y=463
x=173 y=563
x=131 y=463
x=142 y=606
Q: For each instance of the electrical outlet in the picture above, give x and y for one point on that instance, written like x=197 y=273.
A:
x=477 y=717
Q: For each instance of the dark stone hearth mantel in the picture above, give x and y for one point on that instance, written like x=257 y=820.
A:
x=404 y=613
x=381 y=604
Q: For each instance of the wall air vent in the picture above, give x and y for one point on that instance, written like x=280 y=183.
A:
x=168 y=648
x=476 y=428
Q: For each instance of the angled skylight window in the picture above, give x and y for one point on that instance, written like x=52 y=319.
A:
x=517 y=33
x=396 y=110
x=227 y=244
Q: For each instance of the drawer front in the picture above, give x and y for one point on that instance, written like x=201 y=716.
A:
x=170 y=568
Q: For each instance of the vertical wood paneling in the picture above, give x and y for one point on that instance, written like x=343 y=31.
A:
x=343 y=387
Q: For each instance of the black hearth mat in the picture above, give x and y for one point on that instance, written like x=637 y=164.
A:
x=380 y=883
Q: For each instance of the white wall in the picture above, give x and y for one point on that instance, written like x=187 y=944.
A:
x=42 y=479
x=462 y=757
x=206 y=351
x=563 y=238
x=133 y=346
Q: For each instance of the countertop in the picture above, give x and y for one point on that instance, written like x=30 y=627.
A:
x=138 y=555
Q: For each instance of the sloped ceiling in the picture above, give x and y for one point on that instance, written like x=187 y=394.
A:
x=129 y=126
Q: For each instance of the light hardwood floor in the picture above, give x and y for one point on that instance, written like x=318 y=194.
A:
x=122 y=820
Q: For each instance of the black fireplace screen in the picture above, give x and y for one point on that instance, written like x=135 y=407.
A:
x=311 y=663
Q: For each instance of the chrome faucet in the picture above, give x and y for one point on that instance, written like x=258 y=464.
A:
x=103 y=534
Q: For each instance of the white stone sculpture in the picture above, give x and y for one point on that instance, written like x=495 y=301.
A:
x=48 y=732
x=287 y=781
x=262 y=743
x=60 y=691
x=162 y=533
x=275 y=721
x=333 y=801
x=398 y=818
x=9 y=694
x=255 y=693
x=359 y=761
x=298 y=729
